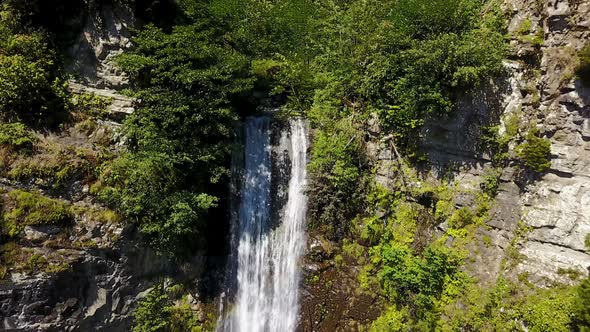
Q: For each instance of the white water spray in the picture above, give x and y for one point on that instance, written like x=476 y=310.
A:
x=268 y=258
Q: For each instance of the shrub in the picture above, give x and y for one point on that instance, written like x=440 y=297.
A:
x=153 y=313
x=535 y=152
x=16 y=135
x=159 y=313
x=392 y=320
x=31 y=208
x=491 y=182
x=417 y=281
x=583 y=69
x=90 y=104
x=180 y=135
x=31 y=90
x=335 y=173
x=525 y=26
x=143 y=187
x=581 y=305
x=461 y=218
x=55 y=163
x=550 y=310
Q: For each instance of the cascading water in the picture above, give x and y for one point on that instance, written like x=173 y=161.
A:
x=268 y=252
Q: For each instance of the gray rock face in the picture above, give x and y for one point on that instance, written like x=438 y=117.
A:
x=557 y=207
x=103 y=37
x=540 y=89
x=97 y=293
x=106 y=278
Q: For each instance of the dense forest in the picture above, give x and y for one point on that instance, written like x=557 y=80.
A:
x=196 y=67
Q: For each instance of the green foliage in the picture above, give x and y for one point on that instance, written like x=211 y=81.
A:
x=158 y=312
x=496 y=144
x=509 y=306
x=17 y=136
x=266 y=28
x=54 y=164
x=491 y=182
x=535 y=152
x=34 y=263
x=146 y=187
x=581 y=305
x=154 y=312
x=335 y=172
x=31 y=208
x=30 y=87
x=90 y=105
x=525 y=26
x=390 y=321
x=549 y=310
x=461 y=218
x=573 y=274
x=583 y=68
x=417 y=281
x=400 y=59
x=407 y=59
x=180 y=135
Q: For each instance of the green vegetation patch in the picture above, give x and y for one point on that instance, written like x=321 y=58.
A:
x=55 y=164
x=335 y=169
x=163 y=310
x=31 y=89
x=583 y=68
x=14 y=258
x=17 y=136
x=90 y=105
x=535 y=152
x=24 y=208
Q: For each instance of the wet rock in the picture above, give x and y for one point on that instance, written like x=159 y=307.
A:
x=41 y=232
x=319 y=248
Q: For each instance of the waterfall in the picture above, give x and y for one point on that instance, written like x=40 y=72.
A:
x=268 y=251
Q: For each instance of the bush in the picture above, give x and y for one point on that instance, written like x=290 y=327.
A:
x=581 y=305
x=583 y=69
x=180 y=135
x=144 y=187
x=17 y=136
x=392 y=320
x=535 y=152
x=31 y=90
x=30 y=208
x=335 y=178
x=550 y=310
x=491 y=182
x=90 y=105
x=153 y=313
x=54 y=164
x=417 y=281
x=461 y=218
x=159 y=313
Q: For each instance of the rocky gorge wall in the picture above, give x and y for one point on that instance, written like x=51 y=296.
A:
x=537 y=224
x=103 y=284
x=106 y=266
x=539 y=90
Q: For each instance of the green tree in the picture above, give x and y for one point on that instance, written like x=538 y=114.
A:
x=535 y=152
x=153 y=313
x=180 y=136
x=31 y=89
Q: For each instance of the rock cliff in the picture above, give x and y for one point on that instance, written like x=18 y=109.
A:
x=92 y=272
x=539 y=90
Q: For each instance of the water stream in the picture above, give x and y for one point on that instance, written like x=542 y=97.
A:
x=268 y=251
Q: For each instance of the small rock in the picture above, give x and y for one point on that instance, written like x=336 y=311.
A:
x=40 y=233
